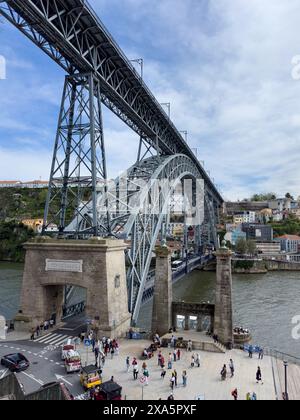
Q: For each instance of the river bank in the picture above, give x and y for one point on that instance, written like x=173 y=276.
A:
x=250 y=266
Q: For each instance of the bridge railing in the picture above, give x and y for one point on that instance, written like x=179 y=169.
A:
x=76 y=309
x=285 y=357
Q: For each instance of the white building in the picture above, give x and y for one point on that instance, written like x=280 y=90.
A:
x=245 y=217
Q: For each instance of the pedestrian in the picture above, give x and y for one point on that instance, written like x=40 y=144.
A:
x=112 y=352
x=190 y=346
x=178 y=355
x=224 y=373
x=251 y=352
x=163 y=373
x=248 y=396
x=51 y=323
x=93 y=343
x=254 y=397
x=173 y=341
x=231 y=367
x=38 y=331
x=172 y=382
x=159 y=358
x=235 y=394
x=135 y=372
x=261 y=354
x=144 y=366
x=197 y=360
x=192 y=361
x=127 y=364
x=184 y=378
x=96 y=352
x=170 y=361
x=175 y=356
x=176 y=378
x=146 y=375
x=171 y=397
x=259 y=376
x=162 y=362
x=32 y=334
x=103 y=360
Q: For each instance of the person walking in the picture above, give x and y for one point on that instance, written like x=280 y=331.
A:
x=261 y=354
x=231 y=367
x=197 y=360
x=175 y=356
x=235 y=394
x=172 y=382
x=190 y=346
x=112 y=352
x=32 y=334
x=96 y=352
x=250 y=352
x=178 y=355
x=159 y=358
x=176 y=378
x=170 y=361
x=163 y=373
x=135 y=372
x=193 y=361
x=259 y=376
x=224 y=373
x=184 y=378
x=127 y=364
x=146 y=375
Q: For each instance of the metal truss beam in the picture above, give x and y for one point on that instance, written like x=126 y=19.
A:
x=70 y=33
x=79 y=157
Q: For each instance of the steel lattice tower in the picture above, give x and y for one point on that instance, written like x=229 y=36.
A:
x=79 y=162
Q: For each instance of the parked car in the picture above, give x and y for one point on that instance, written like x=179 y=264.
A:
x=15 y=362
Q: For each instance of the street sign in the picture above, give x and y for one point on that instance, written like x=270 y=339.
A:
x=87 y=343
x=143 y=380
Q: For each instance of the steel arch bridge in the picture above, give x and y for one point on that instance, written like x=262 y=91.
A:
x=98 y=72
x=140 y=203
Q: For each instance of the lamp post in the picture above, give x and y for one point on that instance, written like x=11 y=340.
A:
x=286 y=395
x=168 y=106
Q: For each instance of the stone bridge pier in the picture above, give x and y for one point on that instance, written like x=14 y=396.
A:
x=98 y=265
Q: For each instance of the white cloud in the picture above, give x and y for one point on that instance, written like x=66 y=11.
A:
x=226 y=68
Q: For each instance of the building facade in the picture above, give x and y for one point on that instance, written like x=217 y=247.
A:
x=258 y=232
x=289 y=243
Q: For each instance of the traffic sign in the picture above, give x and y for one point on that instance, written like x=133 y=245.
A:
x=87 y=343
x=143 y=380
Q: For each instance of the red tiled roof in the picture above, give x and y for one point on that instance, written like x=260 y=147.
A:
x=290 y=237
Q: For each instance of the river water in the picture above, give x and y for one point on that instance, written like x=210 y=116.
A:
x=264 y=303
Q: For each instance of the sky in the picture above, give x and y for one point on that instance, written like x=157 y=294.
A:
x=226 y=66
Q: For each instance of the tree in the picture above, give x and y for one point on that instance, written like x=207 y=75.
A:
x=241 y=246
x=263 y=197
x=251 y=247
x=289 y=196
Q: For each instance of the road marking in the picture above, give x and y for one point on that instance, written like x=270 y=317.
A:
x=61 y=339
x=33 y=378
x=46 y=338
x=43 y=337
x=3 y=373
x=61 y=378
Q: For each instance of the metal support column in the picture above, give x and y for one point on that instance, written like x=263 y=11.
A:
x=79 y=161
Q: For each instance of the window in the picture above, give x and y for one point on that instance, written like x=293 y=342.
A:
x=117 y=281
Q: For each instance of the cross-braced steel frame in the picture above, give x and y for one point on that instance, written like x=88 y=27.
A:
x=79 y=162
x=71 y=34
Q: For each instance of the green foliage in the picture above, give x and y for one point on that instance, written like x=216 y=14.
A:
x=263 y=197
x=289 y=226
x=244 y=247
x=241 y=246
x=19 y=204
x=243 y=265
x=12 y=237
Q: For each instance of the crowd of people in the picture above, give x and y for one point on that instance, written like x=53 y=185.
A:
x=42 y=327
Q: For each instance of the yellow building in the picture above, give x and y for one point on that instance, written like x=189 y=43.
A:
x=35 y=224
